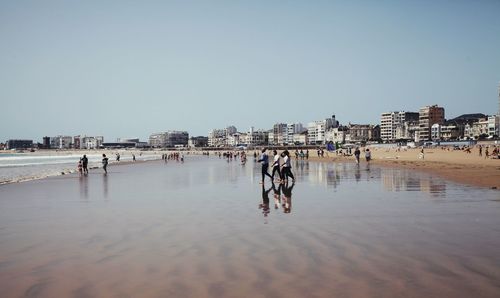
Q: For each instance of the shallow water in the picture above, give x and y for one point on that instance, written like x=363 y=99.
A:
x=28 y=166
x=203 y=229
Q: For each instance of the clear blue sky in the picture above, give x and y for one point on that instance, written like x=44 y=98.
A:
x=131 y=68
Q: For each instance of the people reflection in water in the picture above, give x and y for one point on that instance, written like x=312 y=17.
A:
x=357 y=173
x=287 y=198
x=277 y=195
x=265 y=201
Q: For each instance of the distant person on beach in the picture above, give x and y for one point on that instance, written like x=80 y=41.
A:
x=117 y=156
x=276 y=165
x=421 y=156
x=487 y=152
x=133 y=157
x=286 y=168
x=104 y=163
x=480 y=150
x=85 y=162
x=80 y=166
x=264 y=159
x=357 y=153
x=368 y=155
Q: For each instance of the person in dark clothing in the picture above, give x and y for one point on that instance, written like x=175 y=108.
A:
x=85 y=162
x=264 y=159
x=104 y=163
x=357 y=153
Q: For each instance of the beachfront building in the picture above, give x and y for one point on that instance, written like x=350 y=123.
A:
x=216 y=138
x=428 y=116
x=337 y=134
x=199 y=141
x=257 y=137
x=61 y=142
x=494 y=125
x=219 y=137
x=360 y=133
x=477 y=129
x=407 y=131
x=19 y=144
x=87 y=142
x=280 y=134
x=169 y=139
x=316 y=131
x=393 y=122
x=45 y=143
x=292 y=130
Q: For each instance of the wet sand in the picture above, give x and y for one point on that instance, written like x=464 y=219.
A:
x=196 y=230
x=470 y=169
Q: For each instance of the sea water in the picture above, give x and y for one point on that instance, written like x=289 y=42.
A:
x=18 y=167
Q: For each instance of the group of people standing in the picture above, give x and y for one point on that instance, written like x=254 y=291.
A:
x=284 y=169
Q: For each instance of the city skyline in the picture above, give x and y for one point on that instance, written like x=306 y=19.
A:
x=122 y=69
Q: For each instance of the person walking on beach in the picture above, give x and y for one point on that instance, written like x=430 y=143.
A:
x=276 y=165
x=421 y=156
x=264 y=159
x=104 y=163
x=357 y=153
x=480 y=150
x=368 y=155
x=133 y=157
x=85 y=162
x=286 y=168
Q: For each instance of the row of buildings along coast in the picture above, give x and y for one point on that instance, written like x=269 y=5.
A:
x=427 y=124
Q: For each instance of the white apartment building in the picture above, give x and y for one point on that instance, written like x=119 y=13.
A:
x=494 y=125
x=391 y=122
x=316 y=131
x=292 y=130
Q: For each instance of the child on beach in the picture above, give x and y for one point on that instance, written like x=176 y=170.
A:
x=80 y=167
x=368 y=155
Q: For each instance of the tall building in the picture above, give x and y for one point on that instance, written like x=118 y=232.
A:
x=393 y=122
x=293 y=129
x=280 y=134
x=428 y=116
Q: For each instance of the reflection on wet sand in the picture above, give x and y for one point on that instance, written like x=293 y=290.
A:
x=346 y=236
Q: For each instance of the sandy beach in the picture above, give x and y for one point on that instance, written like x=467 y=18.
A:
x=196 y=229
x=456 y=165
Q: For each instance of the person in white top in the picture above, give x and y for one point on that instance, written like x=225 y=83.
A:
x=286 y=170
x=276 y=165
